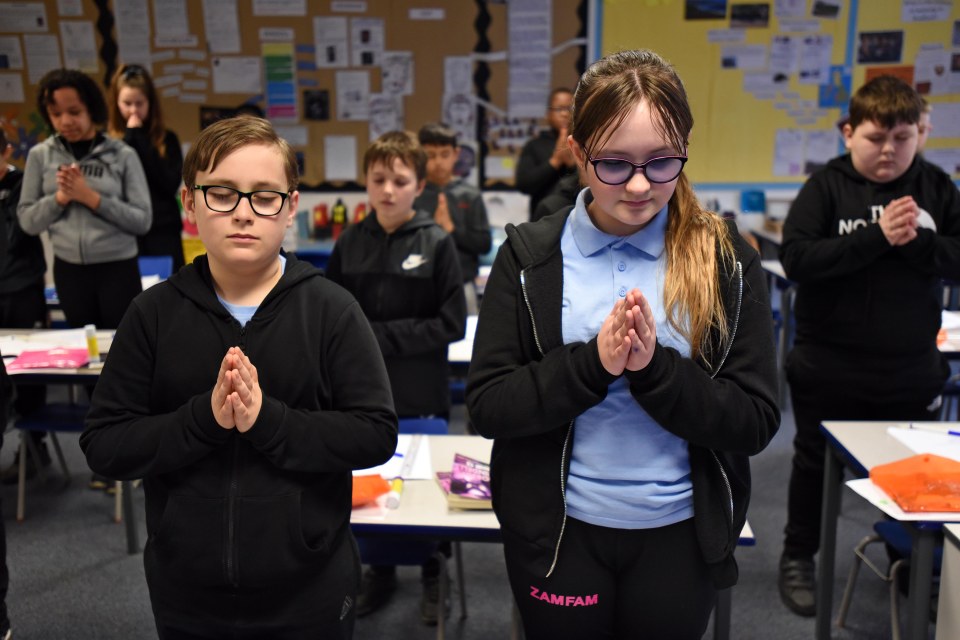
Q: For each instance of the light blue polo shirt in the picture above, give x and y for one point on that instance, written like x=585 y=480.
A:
x=626 y=471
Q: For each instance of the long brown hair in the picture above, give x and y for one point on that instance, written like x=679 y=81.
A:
x=607 y=93
x=136 y=77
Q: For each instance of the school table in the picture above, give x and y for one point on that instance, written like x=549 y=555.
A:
x=860 y=446
x=79 y=376
x=423 y=514
x=948 y=613
x=460 y=352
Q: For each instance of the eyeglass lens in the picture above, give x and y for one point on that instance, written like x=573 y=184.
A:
x=658 y=170
x=225 y=200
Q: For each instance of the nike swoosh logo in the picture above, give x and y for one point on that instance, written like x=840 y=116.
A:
x=413 y=261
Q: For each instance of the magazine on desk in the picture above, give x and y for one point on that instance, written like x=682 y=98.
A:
x=467 y=484
x=54 y=358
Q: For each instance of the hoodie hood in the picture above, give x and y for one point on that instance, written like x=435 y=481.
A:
x=195 y=282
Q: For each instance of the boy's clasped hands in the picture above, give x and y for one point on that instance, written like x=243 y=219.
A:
x=628 y=336
x=237 y=398
x=899 y=221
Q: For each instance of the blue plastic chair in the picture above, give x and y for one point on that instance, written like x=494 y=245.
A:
x=415 y=552
x=51 y=418
x=161 y=266
x=895 y=534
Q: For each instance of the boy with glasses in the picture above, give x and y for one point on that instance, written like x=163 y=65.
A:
x=244 y=390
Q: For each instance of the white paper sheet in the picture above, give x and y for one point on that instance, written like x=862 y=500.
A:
x=920 y=441
x=422 y=466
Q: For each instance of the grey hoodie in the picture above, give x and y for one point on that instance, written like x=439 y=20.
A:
x=79 y=235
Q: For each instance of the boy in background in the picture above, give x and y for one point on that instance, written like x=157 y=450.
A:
x=867 y=241
x=22 y=301
x=403 y=269
x=456 y=205
x=244 y=390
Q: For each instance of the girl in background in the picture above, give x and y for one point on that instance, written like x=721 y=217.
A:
x=90 y=194
x=137 y=118
x=624 y=364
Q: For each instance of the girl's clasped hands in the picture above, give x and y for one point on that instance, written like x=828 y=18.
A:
x=628 y=336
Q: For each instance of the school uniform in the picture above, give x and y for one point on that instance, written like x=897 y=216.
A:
x=533 y=386
x=409 y=286
x=95 y=253
x=164 y=178
x=248 y=533
x=866 y=314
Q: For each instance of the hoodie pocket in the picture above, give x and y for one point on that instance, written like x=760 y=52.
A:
x=190 y=540
x=271 y=549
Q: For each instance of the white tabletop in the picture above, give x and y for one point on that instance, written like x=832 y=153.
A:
x=460 y=352
x=423 y=504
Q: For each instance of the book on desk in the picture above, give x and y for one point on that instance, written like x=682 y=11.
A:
x=467 y=484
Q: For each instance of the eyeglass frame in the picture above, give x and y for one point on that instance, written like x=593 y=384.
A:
x=241 y=195
x=132 y=70
x=637 y=167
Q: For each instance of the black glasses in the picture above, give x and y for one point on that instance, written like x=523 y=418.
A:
x=561 y=109
x=614 y=171
x=225 y=199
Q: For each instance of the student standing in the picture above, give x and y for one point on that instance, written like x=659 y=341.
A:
x=136 y=117
x=457 y=206
x=22 y=301
x=867 y=241
x=624 y=364
x=403 y=269
x=90 y=193
x=547 y=158
x=244 y=390
x=6 y=391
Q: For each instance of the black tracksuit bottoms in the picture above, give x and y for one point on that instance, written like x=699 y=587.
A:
x=812 y=404
x=615 y=584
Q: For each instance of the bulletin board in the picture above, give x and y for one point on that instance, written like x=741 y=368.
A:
x=768 y=81
x=329 y=74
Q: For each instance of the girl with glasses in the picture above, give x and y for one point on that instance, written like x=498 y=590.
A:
x=136 y=117
x=624 y=364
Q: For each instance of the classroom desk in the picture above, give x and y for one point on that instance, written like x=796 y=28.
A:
x=423 y=514
x=860 y=446
x=82 y=376
x=460 y=352
x=948 y=613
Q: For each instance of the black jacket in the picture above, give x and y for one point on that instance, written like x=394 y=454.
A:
x=535 y=176
x=409 y=285
x=239 y=524
x=526 y=387
x=22 y=264
x=471 y=228
x=867 y=314
x=163 y=176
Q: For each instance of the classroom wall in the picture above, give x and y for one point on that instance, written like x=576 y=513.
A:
x=758 y=122
x=460 y=52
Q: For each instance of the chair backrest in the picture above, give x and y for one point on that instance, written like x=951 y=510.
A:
x=429 y=426
x=161 y=266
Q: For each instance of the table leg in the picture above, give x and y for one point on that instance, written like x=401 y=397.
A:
x=721 y=615
x=921 y=577
x=133 y=542
x=832 y=475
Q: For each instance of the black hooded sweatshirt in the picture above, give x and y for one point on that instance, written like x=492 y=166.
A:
x=867 y=313
x=238 y=523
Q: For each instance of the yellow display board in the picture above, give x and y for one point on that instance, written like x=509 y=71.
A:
x=734 y=140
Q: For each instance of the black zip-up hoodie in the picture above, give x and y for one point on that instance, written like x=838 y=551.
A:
x=867 y=313
x=526 y=387
x=408 y=284
x=239 y=523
